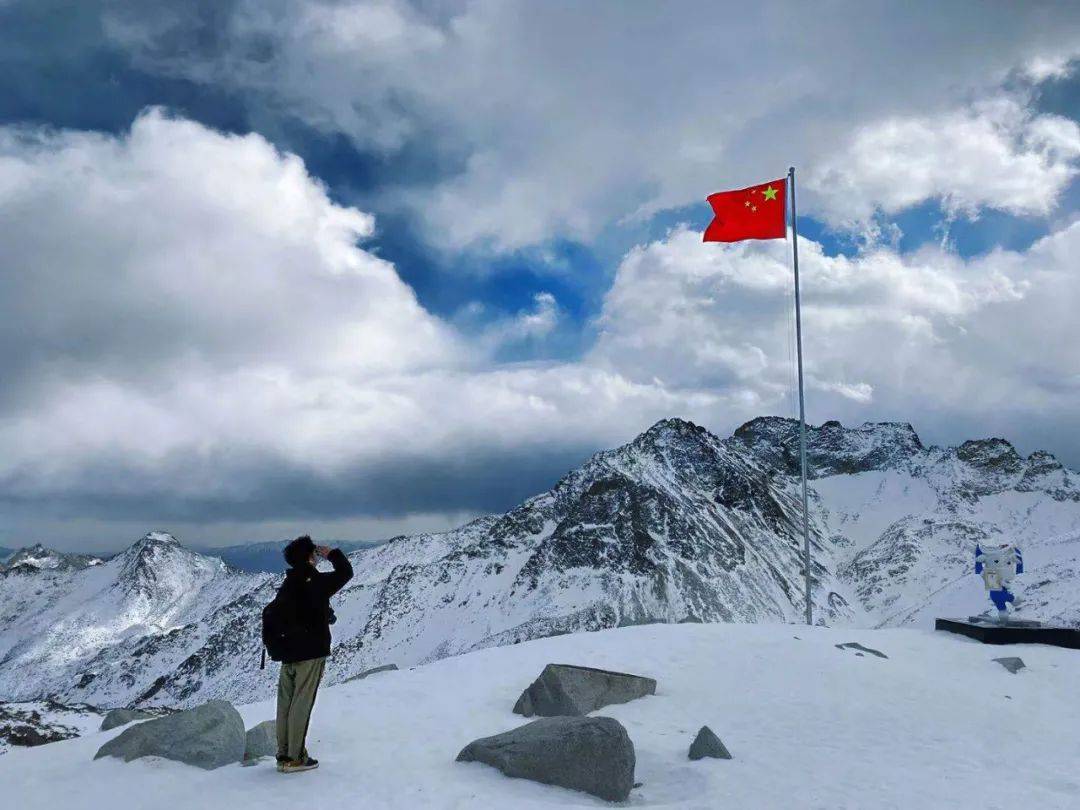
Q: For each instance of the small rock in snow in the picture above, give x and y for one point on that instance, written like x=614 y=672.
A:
x=1012 y=663
x=854 y=645
x=707 y=744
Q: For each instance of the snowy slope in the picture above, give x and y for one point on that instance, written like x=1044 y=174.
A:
x=936 y=725
x=676 y=526
x=42 y=722
x=102 y=634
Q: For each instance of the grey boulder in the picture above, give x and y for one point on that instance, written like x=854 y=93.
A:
x=563 y=690
x=1012 y=663
x=361 y=675
x=591 y=754
x=707 y=744
x=121 y=717
x=207 y=736
x=261 y=741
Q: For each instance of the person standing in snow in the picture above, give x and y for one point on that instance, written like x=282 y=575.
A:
x=305 y=597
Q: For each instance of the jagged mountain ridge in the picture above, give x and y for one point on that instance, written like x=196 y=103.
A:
x=677 y=525
x=910 y=515
x=37 y=557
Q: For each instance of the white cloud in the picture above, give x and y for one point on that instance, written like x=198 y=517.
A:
x=531 y=324
x=193 y=322
x=993 y=154
x=192 y=316
x=558 y=119
x=954 y=345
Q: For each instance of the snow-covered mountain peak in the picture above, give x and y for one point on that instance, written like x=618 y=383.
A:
x=676 y=525
x=159 y=567
x=39 y=558
x=996 y=455
x=831 y=449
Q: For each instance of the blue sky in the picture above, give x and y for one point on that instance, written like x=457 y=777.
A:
x=529 y=174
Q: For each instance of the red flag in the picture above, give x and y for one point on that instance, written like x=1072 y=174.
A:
x=757 y=212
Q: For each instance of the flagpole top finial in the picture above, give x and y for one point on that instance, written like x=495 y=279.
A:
x=791 y=170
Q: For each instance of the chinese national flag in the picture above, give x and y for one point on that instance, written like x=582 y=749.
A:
x=757 y=212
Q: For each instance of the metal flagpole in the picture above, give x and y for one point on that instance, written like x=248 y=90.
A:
x=802 y=399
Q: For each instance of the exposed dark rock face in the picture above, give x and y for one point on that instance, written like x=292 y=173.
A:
x=832 y=449
x=41 y=722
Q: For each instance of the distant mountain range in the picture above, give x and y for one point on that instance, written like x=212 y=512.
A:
x=266 y=557
x=676 y=526
x=250 y=557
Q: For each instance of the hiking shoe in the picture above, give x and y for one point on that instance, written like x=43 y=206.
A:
x=281 y=762
x=298 y=765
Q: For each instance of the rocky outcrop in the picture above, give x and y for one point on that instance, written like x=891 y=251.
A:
x=208 y=737
x=591 y=754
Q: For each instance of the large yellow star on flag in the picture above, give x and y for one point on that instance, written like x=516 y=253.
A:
x=769 y=193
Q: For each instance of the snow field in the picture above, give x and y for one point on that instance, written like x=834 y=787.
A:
x=937 y=725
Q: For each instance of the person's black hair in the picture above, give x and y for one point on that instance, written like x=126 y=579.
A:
x=299 y=551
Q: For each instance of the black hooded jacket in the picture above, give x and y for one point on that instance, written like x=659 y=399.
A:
x=311 y=591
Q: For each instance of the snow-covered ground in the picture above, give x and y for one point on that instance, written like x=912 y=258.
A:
x=936 y=725
x=52 y=721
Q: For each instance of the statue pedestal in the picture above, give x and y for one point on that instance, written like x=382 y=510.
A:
x=1013 y=631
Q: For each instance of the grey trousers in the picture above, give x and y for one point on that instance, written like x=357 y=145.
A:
x=297 y=686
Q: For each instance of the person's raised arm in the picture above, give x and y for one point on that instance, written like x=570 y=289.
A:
x=335 y=580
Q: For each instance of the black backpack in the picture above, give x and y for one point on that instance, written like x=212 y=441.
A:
x=281 y=625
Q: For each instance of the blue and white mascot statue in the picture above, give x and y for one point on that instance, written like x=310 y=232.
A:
x=998 y=566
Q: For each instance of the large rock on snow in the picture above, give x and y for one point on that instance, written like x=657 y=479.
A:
x=121 y=717
x=707 y=744
x=591 y=754
x=207 y=736
x=261 y=741
x=566 y=690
